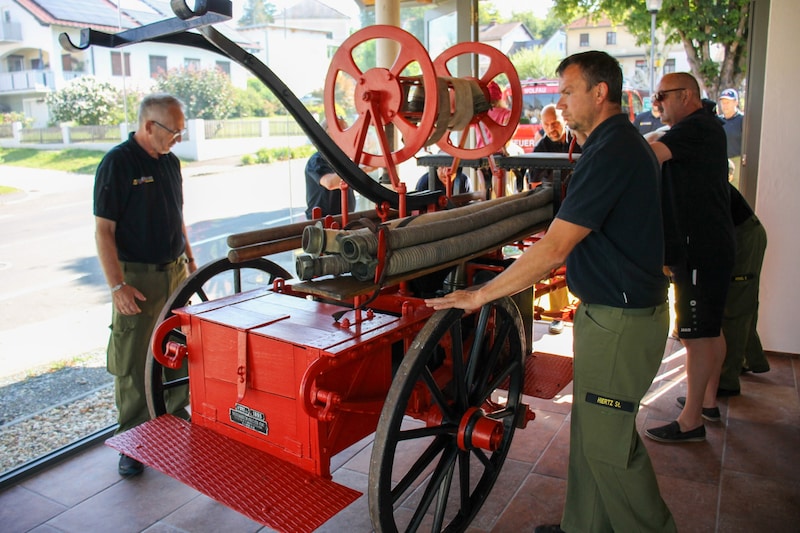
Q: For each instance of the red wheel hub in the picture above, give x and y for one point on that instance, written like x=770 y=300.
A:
x=476 y=430
x=499 y=66
x=381 y=87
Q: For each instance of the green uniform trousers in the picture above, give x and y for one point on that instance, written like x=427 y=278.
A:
x=130 y=339
x=741 y=307
x=611 y=485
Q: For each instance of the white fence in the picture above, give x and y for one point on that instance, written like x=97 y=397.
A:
x=205 y=139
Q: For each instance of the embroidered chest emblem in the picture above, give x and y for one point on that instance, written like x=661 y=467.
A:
x=142 y=180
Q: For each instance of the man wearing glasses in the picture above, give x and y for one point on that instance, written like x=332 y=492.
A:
x=700 y=245
x=143 y=249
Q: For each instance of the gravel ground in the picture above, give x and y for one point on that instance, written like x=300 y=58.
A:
x=51 y=407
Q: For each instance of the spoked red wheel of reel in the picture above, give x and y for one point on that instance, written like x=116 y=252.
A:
x=381 y=97
x=495 y=133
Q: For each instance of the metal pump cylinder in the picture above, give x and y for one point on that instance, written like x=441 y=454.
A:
x=309 y=267
x=318 y=240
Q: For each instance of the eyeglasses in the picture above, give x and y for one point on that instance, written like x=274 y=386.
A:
x=661 y=95
x=175 y=133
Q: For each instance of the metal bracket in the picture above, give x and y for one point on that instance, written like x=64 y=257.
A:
x=205 y=12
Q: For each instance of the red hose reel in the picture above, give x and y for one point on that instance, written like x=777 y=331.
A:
x=420 y=98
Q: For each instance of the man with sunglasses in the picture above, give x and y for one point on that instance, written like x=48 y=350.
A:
x=609 y=232
x=143 y=249
x=700 y=244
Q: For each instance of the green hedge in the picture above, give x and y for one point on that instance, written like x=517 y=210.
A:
x=270 y=155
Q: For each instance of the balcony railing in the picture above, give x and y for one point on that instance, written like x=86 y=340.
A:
x=27 y=80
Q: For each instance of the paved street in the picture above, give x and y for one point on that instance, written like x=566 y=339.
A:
x=54 y=302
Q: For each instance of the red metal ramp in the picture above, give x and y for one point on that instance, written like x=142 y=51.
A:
x=257 y=485
x=546 y=374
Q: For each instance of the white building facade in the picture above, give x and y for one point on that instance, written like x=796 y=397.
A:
x=33 y=62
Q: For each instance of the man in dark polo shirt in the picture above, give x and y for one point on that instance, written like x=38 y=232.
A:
x=557 y=139
x=700 y=243
x=143 y=250
x=648 y=121
x=324 y=185
x=609 y=232
x=733 y=124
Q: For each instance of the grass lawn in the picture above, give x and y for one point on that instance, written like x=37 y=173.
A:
x=72 y=160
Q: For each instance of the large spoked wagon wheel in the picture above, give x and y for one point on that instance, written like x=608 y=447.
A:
x=380 y=98
x=433 y=469
x=212 y=281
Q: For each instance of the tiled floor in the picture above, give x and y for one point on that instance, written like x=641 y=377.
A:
x=744 y=478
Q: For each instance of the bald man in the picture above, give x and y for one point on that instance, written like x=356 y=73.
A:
x=700 y=244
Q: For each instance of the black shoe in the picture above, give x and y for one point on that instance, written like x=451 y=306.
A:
x=755 y=370
x=128 y=466
x=672 y=433
x=709 y=413
x=555 y=528
x=724 y=393
x=556 y=327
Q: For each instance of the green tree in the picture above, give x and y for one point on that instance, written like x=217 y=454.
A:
x=487 y=12
x=700 y=25
x=132 y=98
x=534 y=63
x=540 y=28
x=412 y=20
x=255 y=101
x=207 y=94
x=257 y=12
x=85 y=101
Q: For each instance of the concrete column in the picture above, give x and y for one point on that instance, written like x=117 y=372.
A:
x=387 y=12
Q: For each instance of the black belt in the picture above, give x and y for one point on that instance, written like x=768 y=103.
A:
x=152 y=267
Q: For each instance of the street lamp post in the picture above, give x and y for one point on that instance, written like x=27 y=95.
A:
x=653 y=6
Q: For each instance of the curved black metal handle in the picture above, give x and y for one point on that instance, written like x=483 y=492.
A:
x=184 y=12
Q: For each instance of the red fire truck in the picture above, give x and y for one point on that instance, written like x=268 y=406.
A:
x=538 y=93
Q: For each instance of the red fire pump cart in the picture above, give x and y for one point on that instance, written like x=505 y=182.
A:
x=284 y=377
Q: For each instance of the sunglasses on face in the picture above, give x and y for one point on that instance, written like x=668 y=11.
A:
x=661 y=95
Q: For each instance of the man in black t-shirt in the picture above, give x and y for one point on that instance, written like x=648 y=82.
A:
x=609 y=232
x=700 y=244
x=324 y=186
x=733 y=124
x=144 y=252
x=648 y=121
x=743 y=345
x=460 y=181
x=557 y=139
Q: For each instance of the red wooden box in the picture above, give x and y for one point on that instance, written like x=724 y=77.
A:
x=276 y=372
